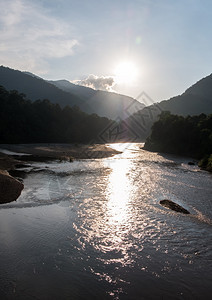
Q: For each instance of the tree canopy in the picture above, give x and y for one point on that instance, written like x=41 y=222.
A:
x=23 y=121
x=190 y=136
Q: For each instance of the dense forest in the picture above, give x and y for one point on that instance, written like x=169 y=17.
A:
x=189 y=136
x=23 y=121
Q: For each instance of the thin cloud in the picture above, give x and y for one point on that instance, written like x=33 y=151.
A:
x=105 y=83
x=29 y=36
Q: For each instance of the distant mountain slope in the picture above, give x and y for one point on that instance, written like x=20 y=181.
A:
x=35 y=88
x=63 y=92
x=202 y=88
x=195 y=100
x=107 y=104
x=69 y=87
x=187 y=104
x=33 y=75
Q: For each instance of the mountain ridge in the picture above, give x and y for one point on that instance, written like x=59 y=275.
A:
x=119 y=106
x=34 y=88
x=195 y=100
x=105 y=104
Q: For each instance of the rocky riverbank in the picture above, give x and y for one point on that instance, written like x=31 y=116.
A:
x=10 y=188
x=59 y=151
x=206 y=163
x=14 y=156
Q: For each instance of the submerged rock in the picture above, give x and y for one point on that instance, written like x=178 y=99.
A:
x=10 y=188
x=174 y=206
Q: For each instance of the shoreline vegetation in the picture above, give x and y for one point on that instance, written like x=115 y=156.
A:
x=22 y=154
x=188 y=136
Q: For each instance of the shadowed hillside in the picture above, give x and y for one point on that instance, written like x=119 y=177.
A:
x=195 y=100
x=106 y=104
x=35 y=88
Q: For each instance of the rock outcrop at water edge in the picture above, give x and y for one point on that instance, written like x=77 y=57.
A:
x=174 y=206
x=10 y=188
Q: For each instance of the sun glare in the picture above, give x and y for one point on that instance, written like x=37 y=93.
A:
x=126 y=72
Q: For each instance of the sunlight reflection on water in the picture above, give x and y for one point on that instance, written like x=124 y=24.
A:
x=118 y=192
x=106 y=226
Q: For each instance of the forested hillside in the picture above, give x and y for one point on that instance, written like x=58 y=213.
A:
x=23 y=121
x=194 y=101
x=190 y=136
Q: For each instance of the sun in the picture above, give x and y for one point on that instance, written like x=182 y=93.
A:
x=125 y=72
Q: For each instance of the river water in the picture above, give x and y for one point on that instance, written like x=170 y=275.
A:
x=94 y=229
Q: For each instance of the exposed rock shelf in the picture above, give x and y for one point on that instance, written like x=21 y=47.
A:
x=174 y=206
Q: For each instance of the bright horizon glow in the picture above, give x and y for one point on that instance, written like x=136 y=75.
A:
x=56 y=40
x=126 y=72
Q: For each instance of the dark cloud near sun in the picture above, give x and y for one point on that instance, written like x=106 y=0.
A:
x=104 y=83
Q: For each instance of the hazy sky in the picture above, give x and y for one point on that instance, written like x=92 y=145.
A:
x=162 y=46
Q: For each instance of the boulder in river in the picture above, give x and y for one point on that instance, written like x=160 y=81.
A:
x=174 y=206
x=10 y=188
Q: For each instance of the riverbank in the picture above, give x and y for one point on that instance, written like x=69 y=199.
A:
x=59 y=151
x=13 y=156
x=10 y=188
x=187 y=136
x=204 y=164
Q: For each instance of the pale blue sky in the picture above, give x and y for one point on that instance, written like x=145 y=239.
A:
x=169 y=41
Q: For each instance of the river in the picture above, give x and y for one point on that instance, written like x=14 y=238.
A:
x=94 y=229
